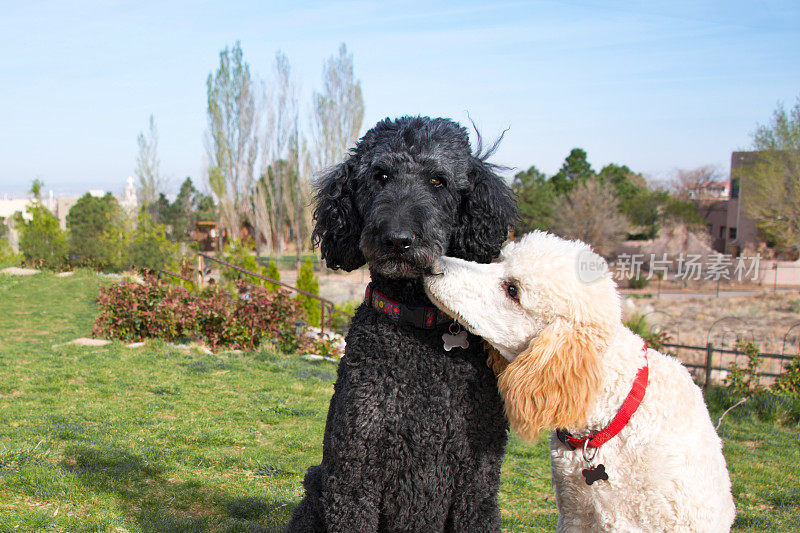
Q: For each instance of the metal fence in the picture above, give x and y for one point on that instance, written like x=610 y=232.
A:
x=199 y=280
x=290 y=262
x=713 y=361
x=323 y=302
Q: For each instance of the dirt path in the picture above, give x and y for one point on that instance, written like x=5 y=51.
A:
x=339 y=287
x=772 y=320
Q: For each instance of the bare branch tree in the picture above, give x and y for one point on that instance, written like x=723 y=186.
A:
x=273 y=200
x=302 y=197
x=338 y=110
x=147 y=166
x=688 y=184
x=590 y=212
x=262 y=217
x=232 y=141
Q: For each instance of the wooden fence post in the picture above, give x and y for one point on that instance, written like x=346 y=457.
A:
x=775 y=282
x=199 y=272
x=322 y=319
x=709 y=356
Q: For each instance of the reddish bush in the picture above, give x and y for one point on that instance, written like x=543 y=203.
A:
x=155 y=309
x=265 y=313
x=136 y=311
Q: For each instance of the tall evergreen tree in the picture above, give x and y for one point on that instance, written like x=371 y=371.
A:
x=535 y=197
x=94 y=226
x=575 y=169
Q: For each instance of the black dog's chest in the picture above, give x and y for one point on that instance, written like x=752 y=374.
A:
x=412 y=357
x=421 y=384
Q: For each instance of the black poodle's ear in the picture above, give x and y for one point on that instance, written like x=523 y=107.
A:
x=486 y=212
x=337 y=222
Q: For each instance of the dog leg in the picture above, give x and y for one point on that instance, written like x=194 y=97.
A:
x=307 y=515
x=475 y=508
x=356 y=421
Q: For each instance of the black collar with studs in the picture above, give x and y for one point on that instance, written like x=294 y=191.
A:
x=419 y=316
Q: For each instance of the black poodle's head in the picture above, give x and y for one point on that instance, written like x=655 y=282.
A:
x=410 y=191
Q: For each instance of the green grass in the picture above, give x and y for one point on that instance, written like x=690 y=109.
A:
x=159 y=439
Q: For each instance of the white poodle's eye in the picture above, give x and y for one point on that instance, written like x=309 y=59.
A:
x=512 y=290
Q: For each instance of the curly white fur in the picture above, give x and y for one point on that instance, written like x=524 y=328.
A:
x=572 y=363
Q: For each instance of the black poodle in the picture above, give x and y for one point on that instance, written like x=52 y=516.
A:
x=415 y=433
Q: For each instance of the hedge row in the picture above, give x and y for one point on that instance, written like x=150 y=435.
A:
x=132 y=311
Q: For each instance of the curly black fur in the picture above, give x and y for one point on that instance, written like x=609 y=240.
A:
x=415 y=435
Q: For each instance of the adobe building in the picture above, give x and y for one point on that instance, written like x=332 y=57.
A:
x=731 y=230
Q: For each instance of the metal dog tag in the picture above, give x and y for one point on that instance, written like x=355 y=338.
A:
x=457 y=339
x=595 y=473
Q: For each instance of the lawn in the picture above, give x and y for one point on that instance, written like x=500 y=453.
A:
x=159 y=438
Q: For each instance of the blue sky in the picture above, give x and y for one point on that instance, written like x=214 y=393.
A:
x=654 y=85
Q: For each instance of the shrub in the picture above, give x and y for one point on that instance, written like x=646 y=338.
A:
x=185 y=266
x=307 y=281
x=638 y=282
x=96 y=232
x=637 y=324
x=132 y=311
x=745 y=380
x=789 y=380
x=326 y=348
x=763 y=405
x=341 y=320
x=242 y=256
x=683 y=211
x=7 y=255
x=243 y=322
x=41 y=240
x=149 y=246
x=654 y=337
x=273 y=273
x=590 y=212
x=156 y=309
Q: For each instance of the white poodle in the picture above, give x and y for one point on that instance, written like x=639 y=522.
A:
x=619 y=462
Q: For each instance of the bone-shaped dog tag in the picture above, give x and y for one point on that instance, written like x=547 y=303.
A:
x=457 y=339
x=595 y=473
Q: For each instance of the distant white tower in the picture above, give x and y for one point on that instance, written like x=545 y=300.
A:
x=129 y=200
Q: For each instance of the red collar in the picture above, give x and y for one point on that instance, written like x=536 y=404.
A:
x=420 y=316
x=629 y=407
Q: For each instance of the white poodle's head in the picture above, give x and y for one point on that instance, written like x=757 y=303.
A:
x=550 y=307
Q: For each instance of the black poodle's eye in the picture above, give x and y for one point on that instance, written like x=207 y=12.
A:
x=382 y=176
x=437 y=181
x=513 y=291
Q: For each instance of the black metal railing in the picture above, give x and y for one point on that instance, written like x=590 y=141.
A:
x=323 y=302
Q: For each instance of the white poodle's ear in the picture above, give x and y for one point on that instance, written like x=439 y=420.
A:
x=553 y=383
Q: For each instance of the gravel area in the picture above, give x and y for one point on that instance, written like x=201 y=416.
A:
x=17 y=271
x=766 y=318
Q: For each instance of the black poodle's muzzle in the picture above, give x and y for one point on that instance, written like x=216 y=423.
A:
x=403 y=238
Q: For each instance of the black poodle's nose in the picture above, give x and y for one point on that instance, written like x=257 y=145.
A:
x=398 y=240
